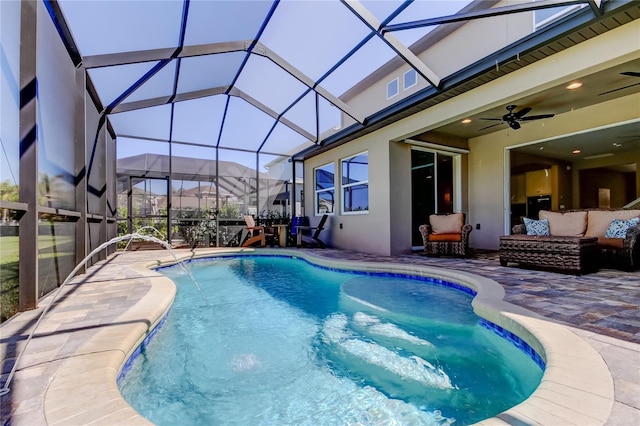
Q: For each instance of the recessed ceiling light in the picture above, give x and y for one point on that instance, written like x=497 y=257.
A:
x=574 y=85
x=576 y=151
x=466 y=121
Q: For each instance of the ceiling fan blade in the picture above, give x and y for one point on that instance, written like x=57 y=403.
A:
x=619 y=88
x=488 y=127
x=537 y=117
x=631 y=73
x=491 y=119
x=522 y=112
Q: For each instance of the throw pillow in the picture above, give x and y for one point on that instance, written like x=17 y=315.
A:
x=536 y=227
x=618 y=227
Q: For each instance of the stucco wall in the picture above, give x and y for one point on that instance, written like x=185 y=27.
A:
x=486 y=177
x=367 y=232
x=487 y=180
x=400 y=197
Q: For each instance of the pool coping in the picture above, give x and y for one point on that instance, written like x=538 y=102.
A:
x=576 y=387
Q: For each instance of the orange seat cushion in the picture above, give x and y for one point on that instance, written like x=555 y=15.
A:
x=446 y=237
x=611 y=243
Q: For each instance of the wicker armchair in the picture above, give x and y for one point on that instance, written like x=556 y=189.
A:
x=446 y=235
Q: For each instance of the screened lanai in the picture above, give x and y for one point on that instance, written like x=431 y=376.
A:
x=275 y=84
x=229 y=98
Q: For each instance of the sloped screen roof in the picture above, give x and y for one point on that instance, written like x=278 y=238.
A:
x=273 y=77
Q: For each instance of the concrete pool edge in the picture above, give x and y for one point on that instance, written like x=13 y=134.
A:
x=576 y=388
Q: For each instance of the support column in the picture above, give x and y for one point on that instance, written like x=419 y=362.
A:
x=103 y=194
x=80 y=143
x=111 y=180
x=28 y=184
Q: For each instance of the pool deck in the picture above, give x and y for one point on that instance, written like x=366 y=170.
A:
x=588 y=325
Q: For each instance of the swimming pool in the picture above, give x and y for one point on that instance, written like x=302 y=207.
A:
x=284 y=342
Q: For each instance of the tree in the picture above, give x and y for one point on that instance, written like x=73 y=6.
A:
x=8 y=192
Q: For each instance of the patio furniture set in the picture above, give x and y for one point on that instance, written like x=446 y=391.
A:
x=283 y=234
x=577 y=241
x=573 y=241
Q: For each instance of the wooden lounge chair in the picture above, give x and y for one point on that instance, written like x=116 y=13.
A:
x=256 y=233
x=304 y=240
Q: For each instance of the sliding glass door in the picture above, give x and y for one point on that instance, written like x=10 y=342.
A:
x=432 y=188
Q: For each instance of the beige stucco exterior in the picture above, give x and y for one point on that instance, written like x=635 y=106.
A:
x=451 y=48
x=386 y=228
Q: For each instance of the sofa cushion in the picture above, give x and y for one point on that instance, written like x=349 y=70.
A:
x=570 y=224
x=618 y=227
x=599 y=220
x=536 y=227
x=446 y=223
x=611 y=243
x=457 y=237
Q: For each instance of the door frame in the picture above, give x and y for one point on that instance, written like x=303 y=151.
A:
x=456 y=156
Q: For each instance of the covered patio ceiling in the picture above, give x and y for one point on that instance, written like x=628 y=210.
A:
x=268 y=77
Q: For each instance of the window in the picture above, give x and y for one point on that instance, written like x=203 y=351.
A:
x=410 y=79
x=325 y=189
x=355 y=184
x=392 y=88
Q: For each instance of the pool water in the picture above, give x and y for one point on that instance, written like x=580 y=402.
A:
x=285 y=342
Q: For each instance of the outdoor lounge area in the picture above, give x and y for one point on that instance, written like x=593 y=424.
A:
x=67 y=383
x=489 y=147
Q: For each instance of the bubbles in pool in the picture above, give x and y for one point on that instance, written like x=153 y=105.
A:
x=245 y=362
x=283 y=342
x=387 y=329
x=407 y=368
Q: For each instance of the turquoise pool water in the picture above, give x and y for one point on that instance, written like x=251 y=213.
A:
x=285 y=342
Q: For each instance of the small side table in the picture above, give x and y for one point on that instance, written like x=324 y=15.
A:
x=282 y=234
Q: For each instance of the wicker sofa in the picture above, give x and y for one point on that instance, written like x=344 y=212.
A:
x=576 y=242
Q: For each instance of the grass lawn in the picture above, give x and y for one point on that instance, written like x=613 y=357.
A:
x=9 y=268
x=8 y=277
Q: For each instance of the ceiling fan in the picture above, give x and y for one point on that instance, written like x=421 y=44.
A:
x=513 y=118
x=628 y=74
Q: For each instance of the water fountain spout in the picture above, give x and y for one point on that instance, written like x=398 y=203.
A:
x=147 y=227
x=6 y=389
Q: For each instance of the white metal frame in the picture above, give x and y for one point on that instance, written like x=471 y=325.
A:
x=349 y=185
